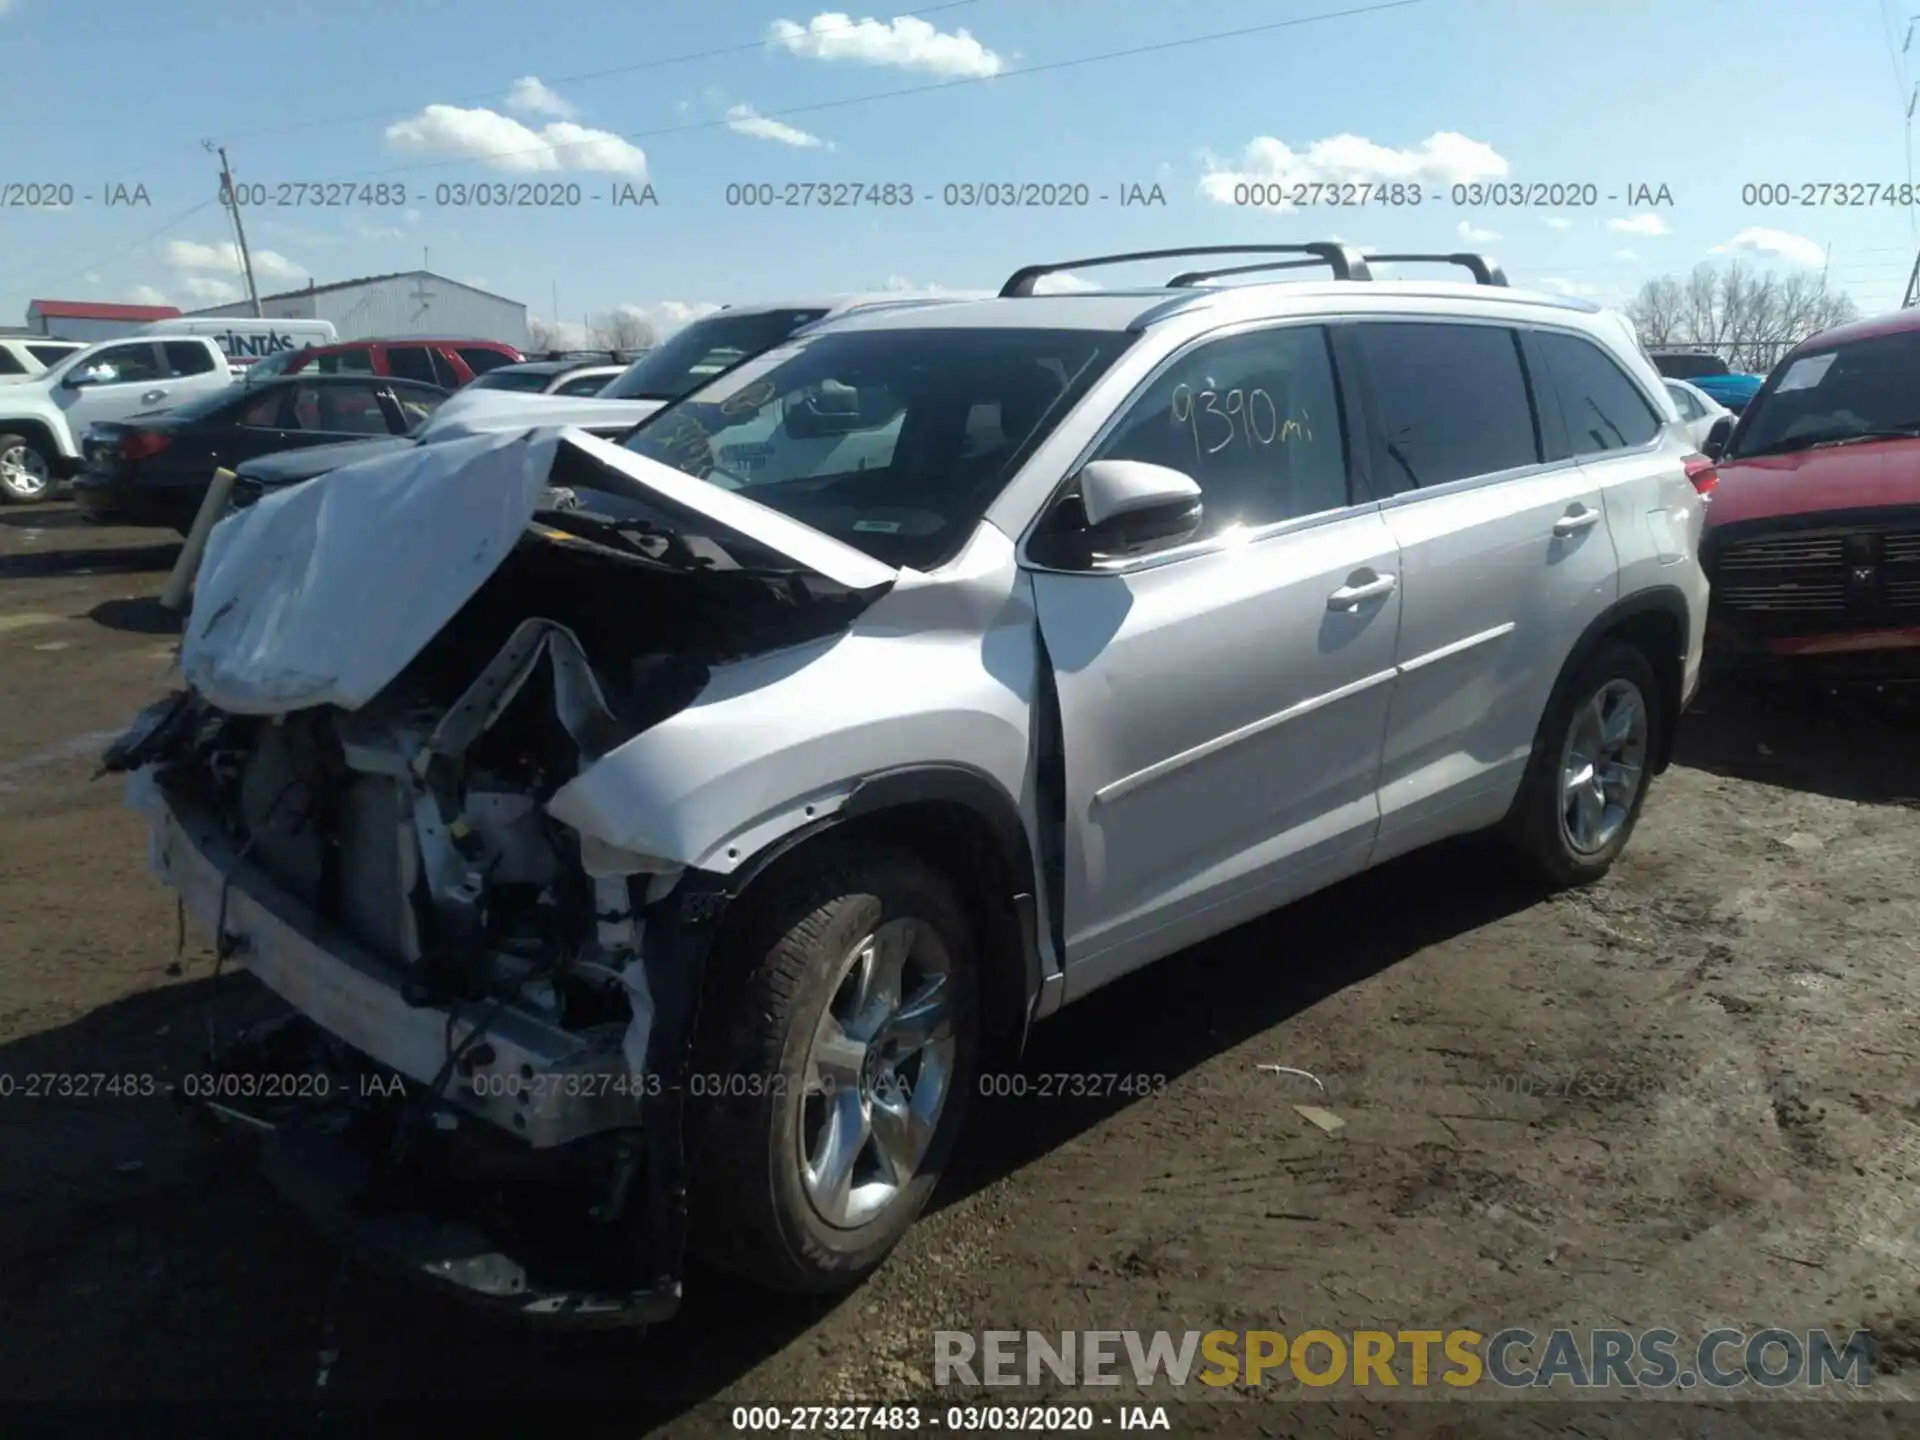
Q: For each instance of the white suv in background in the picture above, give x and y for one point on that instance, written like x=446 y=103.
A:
x=694 y=821
x=44 y=416
x=24 y=356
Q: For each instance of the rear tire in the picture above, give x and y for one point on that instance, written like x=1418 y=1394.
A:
x=789 y=1004
x=26 y=471
x=1591 y=765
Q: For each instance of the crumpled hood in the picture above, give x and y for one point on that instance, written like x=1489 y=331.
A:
x=322 y=593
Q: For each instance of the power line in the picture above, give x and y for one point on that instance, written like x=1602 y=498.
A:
x=125 y=250
x=494 y=93
x=1158 y=47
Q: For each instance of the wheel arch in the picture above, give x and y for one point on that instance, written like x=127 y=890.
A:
x=40 y=433
x=1655 y=621
x=967 y=826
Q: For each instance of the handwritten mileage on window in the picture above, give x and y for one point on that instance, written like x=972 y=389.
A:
x=1219 y=418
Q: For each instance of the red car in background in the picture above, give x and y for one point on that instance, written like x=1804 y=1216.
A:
x=1813 y=534
x=448 y=363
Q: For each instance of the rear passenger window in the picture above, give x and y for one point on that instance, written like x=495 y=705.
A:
x=1450 y=402
x=410 y=362
x=184 y=359
x=347 y=362
x=481 y=361
x=8 y=364
x=444 y=374
x=1604 y=410
x=1254 y=419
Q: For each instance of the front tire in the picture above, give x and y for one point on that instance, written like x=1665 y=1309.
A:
x=1591 y=765
x=26 y=471
x=835 y=1064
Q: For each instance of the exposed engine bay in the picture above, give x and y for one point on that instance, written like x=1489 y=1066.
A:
x=392 y=871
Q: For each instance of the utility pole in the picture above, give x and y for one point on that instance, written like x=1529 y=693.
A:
x=233 y=209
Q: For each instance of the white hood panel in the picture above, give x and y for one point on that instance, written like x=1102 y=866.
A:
x=321 y=593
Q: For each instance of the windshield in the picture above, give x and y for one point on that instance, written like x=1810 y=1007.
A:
x=1857 y=391
x=530 y=381
x=893 y=441
x=702 y=350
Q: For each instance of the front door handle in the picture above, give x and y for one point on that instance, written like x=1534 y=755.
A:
x=1574 y=521
x=1351 y=597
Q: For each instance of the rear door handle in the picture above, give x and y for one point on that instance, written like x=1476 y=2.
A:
x=153 y=395
x=1574 y=521
x=1351 y=597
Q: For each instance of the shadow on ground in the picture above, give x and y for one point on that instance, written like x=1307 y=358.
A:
x=54 y=564
x=51 y=516
x=1849 y=746
x=138 y=615
x=153 y=1277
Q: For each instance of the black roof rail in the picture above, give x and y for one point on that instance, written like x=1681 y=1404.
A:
x=1194 y=277
x=1347 y=263
x=1485 y=270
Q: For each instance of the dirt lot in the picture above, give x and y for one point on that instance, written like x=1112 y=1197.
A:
x=1686 y=1097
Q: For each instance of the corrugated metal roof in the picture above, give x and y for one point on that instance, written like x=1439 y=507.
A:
x=95 y=310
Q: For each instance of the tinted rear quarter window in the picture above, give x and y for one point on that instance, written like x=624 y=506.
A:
x=410 y=362
x=9 y=363
x=184 y=358
x=1603 y=408
x=480 y=361
x=445 y=372
x=1449 y=402
x=49 y=355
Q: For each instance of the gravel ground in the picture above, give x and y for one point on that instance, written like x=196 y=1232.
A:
x=1687 y=1097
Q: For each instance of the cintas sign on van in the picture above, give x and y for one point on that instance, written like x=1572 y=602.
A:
x=257 y=345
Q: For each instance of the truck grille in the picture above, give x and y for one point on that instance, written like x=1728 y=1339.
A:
x=1821 y=579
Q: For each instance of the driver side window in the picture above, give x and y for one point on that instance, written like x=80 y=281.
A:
x=125 y=364
x=1254 y=419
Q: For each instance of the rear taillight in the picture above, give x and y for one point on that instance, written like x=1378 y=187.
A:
x=1701 y=472
x=139 y=444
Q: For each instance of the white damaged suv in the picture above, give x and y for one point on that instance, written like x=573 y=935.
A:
x=655 y=841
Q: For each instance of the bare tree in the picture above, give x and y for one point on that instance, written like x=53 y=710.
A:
x=1749 y=318
x=544 y=335
x=623 y=329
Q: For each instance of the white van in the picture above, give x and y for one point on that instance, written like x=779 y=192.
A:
x=245 y=340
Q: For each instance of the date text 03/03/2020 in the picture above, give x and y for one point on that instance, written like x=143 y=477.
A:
x=454 y=195
x=954 y=195
x=949 y=1419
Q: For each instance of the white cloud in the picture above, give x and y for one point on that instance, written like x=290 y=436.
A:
x=1559 y=222
x=1443 y=158
x=1466 y=231
x=93 y=277
x=745 y=120
x=530 y=97
x=210 y=289
x=225 y=258
x=1559 y=285
x=504 y=143
x=1632 y=257
x=667 y=316
x=6 y=6
x=146 y=295
x=905 y=43
x=1647 y=224
x=902 y=283
x=1062 y=284
x=1761 y=240
x=478 y=282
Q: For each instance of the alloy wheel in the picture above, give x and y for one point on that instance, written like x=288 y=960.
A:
x=878 y=1074
x=24 y=472
x=1602 y=766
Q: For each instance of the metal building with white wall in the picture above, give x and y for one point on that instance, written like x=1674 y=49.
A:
x=409 y=302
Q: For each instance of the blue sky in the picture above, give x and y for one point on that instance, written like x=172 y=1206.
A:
x=1702 y=96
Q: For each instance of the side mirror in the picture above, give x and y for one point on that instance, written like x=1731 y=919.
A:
x=1125 y=505
x=1721 y=431
x=82 y=376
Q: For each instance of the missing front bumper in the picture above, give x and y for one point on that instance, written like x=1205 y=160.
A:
x=541 y=1236
x=536 y=1081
